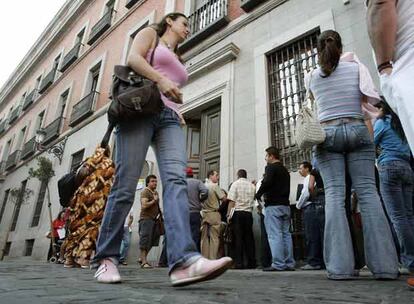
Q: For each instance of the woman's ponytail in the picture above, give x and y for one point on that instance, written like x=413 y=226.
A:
x=329 y=51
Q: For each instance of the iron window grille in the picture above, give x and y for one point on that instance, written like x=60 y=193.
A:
x=287 y=67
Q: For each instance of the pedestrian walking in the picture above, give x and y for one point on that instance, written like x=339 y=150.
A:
x=340 y=87
x=163 y=130
x=149 y=232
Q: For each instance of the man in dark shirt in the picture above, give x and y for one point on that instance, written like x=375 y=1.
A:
x=275 y=188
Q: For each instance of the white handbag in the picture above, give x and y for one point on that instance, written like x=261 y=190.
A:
x=309 y=131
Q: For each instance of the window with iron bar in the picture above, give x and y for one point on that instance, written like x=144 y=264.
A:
x=287 y=67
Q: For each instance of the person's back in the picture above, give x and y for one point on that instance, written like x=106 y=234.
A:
x=339 y=94
x=195 y=194
x=393 y=148
x=277 y=185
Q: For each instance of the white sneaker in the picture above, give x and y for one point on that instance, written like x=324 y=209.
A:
x=201 y=270
x=107 y=272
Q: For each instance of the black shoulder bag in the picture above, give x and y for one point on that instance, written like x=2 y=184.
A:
x=132 y=95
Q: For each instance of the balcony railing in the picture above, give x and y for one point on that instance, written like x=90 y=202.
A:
x=100 y=27
x=130 y=3
x=71 y=57
x=29 y=148
x=14 y=115
x=52 y=130
x=29 y=99
x=83 y=109
x=3 y=126
x=47 y=81
x=13 y=159
x=205 y=21
x=248 y=5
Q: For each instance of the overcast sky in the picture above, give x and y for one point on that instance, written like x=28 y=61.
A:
x=21 y=23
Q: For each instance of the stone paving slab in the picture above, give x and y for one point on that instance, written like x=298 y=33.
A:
x=36 y=282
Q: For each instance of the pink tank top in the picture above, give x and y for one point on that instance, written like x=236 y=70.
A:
x=167 y=64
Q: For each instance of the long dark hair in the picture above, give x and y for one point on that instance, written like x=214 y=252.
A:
x=329 y=51
x=395 y=120
x=161 y=27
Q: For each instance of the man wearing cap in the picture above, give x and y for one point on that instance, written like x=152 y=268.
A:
x=197 y=193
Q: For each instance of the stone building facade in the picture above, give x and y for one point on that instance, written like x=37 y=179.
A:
x=246 y=60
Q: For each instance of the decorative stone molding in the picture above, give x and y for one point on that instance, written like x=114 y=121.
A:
x=216 y=59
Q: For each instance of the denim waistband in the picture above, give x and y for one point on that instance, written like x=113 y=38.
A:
x=344 y=120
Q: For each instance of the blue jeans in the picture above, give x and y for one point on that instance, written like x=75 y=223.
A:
x=277 y=222
x=350 y=143
x=133 y=138
x=396 y=179
x=314 y=220
x=125 y=245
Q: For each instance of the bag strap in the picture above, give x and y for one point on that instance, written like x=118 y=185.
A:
x=308 y=90
x=107 y=136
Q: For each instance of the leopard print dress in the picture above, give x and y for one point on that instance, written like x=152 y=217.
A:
x=87 y=208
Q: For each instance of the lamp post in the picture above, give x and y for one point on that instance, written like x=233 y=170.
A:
x=55 y=150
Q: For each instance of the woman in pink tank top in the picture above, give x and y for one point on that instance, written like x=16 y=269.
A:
x=164 y=133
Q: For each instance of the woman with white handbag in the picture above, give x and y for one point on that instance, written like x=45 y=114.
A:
x=341 y=87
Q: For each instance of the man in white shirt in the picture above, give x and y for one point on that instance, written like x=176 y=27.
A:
x=126 y=237
x=241 y=194
x=391 y=29
x=314 y=218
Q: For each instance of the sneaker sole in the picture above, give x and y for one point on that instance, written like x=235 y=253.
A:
x=210 y=276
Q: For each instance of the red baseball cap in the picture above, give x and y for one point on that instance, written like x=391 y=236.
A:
x=189 y=171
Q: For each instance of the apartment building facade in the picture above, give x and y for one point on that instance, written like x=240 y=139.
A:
x=246 y=61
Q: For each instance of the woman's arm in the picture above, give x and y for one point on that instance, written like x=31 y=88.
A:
x=367 y=118
x=143 y=42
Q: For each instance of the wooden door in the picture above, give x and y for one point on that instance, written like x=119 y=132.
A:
x=210 y=141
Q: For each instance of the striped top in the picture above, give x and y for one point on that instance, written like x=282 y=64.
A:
x=339 y=95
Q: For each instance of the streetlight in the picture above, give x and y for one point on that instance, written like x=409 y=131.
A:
x=56 y=150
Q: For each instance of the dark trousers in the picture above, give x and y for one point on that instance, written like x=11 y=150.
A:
x=314 y=218
x=163 y=262
x=265 y=253
x=356 y=234
x=242 y=222
x=195 y=225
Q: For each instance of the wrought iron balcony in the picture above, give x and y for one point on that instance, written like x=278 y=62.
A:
x=71 y=57
x=14 y=115
x=100 y=27
x=13 y=159
x=130 y=3
x=29 y=148
x=29 y=99
x=52 y=130
x=47 y=81
x=3 y=125
x=83 y=109
x=205 y=21
x=248 y=5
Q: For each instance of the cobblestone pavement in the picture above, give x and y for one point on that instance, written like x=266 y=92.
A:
x=35 y=282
